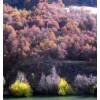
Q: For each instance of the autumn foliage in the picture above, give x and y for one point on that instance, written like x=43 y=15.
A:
x=49 y=31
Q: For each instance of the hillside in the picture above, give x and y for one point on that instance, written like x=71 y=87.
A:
x=48 y=43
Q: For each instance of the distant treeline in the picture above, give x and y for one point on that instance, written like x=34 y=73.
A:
x=92 y=3
x=30 y=3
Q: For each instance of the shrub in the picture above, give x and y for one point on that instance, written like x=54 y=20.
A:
x=49 y=83
x=21 y=86
x=64 y=88
x=52 y=80
x=54 y=84
x=20 y=89
x=86 y=84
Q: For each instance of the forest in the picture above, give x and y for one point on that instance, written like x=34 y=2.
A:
x=49 y=49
